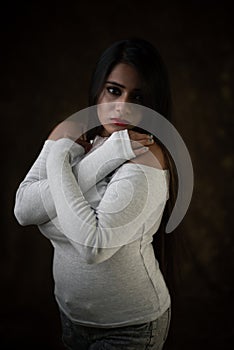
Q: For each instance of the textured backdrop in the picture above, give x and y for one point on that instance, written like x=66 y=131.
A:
x=48 y=53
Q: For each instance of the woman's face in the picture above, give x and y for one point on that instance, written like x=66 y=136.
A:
x=118 y=103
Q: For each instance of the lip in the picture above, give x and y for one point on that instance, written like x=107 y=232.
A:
x=119 y=122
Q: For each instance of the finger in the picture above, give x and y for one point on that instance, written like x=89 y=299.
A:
x=140 y=143
x=141 y=150
x=136 y=136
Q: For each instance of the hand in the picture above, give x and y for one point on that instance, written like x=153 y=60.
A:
x=84 y=143
x=140 y=142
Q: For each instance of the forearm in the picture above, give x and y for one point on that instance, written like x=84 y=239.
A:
x=120 y=216
x=115 y=151
x=34 y=203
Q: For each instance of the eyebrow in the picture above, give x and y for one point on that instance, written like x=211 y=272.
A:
x=120 y=85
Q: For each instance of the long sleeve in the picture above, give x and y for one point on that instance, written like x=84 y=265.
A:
x=134 y=194
x=34 y=203
x=114 y=152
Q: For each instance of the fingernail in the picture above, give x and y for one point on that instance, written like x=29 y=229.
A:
x=141 y=150
x=144 y=149
x=151 y=138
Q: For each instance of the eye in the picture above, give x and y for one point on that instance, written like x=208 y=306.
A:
x=114 y=90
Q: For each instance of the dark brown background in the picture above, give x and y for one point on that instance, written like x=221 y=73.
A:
x=48 y=53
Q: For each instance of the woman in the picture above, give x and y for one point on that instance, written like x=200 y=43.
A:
x=100 y=201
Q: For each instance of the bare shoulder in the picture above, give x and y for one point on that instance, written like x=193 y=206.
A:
x=154 y=157
x=159 y=155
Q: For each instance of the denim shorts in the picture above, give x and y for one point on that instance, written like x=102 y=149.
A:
x=151 y=335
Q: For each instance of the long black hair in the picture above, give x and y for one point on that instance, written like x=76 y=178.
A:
x=145 y=58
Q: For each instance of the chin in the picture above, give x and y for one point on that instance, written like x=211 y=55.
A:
x=113 y=128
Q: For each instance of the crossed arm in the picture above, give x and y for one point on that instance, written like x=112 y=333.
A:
x=34 y=204
x=135 y=193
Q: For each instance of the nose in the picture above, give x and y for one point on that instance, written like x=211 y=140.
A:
x=122 y=106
